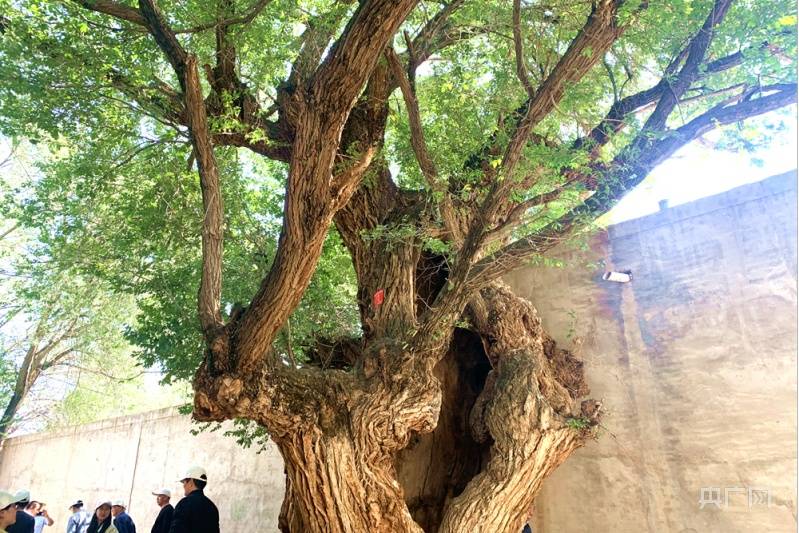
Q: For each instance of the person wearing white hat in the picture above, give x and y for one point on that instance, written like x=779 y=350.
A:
x=195 y=513
x=25 y=522
x=8 y=509
x=122 y=521
x=164 y=518
x=79 y=521
x=101 y=519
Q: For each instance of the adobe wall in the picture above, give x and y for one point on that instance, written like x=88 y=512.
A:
x=696 y=362
x=131 y=456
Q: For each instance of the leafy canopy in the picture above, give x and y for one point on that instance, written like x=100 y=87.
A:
x=118 y=199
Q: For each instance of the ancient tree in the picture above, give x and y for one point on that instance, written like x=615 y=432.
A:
x=444 y=144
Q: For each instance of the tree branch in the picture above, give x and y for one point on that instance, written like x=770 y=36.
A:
x=627 y=171
x=320 y=113
x=344 y=183
x=418 y=143
x=588 y=47
x=246 y=18
x=115 y=9
x=347 y=66
x=165 y=38
x=426 y=164
x=690 y=70
x=779 y=95
x=123 y=12
x=209 y=296
x=665 y=91
x=521 y=67
x=437 y=34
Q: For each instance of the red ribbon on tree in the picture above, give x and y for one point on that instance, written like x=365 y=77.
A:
x=378 y=298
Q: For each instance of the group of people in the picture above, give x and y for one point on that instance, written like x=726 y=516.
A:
x=194 y=513
x=29 y=514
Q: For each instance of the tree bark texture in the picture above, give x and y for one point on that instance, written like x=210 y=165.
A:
x=454 y=405
x=464 y=447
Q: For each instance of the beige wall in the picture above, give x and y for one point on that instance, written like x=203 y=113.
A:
x=695 y=360
x=129 y=457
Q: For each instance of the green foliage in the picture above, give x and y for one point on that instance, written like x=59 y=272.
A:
x=115 y=385
x=50 y=300
x=579 y=423
x=116 y=203
x=245 y=432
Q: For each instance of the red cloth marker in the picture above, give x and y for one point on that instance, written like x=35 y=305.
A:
x=378 y=298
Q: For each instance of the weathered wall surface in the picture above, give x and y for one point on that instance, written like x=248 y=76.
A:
x=129 y=457
x=696 y=362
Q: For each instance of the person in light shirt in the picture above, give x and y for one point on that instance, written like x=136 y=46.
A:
x=40 y=516
x=79 y=521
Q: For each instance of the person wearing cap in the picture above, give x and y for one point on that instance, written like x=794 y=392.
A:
x=79 y=521
x=40 y=516
x=8 y=509
x=195 y=513
x=24 y=522
x=164 y=518
x=101 y=519
x=122 y=521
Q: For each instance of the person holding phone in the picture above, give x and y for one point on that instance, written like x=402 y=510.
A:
x=40 y=517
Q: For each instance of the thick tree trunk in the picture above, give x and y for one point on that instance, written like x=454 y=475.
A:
x=333 y=484
x=435 y=468
x=340 y=474
x=461 y=447
x=509 y=417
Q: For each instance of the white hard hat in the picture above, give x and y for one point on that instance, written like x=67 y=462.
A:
x=195 y=472
x=118 y=503
x=6 y=499
x=102 y=502
x=23 y=496
x=163 y=492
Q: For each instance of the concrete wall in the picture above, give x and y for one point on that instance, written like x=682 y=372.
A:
x=695 y=360
x=129 y=457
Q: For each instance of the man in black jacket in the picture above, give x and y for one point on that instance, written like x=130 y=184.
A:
x=164 y=519
x=25 y=522
x=195 y=513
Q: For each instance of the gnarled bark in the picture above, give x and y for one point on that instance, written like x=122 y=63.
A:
x=511 y=413
x=421 y=424
x=462 y=448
